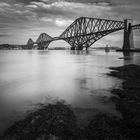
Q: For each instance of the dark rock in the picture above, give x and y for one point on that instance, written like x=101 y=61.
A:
x=57 y=120
x=104 y=127
x=128 y=100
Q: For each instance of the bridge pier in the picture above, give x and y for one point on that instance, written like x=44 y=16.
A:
x=79 y=47
x=87 y=46
x=128 y=42
x=72 y=48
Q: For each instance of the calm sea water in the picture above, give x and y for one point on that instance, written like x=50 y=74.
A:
x=30 y=77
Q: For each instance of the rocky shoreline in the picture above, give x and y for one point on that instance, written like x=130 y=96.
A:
x=59 y=122
x=128 y=99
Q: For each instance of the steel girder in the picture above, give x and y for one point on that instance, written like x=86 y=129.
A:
x=134 y=27
x=30 y=44
x=43 y=41
x=84 y=31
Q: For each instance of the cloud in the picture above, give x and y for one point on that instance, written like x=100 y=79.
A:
x=46 y=19
x=62 y=22
x=4 y=35
x=3 y=4
x=31 y=6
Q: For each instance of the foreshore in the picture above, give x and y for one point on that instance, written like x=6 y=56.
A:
x=128 y=99
x=59 y=122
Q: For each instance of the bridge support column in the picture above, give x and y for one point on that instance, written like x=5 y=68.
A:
x=72 y=48
x=87 y=46
x=79 y=47
x=128 y=42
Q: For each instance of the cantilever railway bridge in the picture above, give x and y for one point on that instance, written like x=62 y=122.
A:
x=85 y=31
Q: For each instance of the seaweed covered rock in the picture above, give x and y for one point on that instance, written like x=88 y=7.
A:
x=103 y=127
x=128 y=101
x=127 y=71
x=52 y=120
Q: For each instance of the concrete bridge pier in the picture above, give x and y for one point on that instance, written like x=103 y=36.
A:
x=87 y=46
x=72 y=48
x=79 y=47
x=128 y=42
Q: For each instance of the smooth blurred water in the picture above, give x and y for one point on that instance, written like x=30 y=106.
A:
x=29 y=77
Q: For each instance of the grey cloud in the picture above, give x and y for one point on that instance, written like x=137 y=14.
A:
x=112 y=2
x=4 y=35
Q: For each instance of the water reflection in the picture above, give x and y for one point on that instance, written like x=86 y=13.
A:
x=128 y=57
x=128 y=54
x=78 y=52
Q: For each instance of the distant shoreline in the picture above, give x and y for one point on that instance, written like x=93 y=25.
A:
x=129 y=50
x=23 y=47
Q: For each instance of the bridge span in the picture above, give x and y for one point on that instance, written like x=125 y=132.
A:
x=85 y=31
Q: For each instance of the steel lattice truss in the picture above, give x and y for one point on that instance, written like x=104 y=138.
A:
x=134 y=27
x=43 y=41
x=84 y=31
x=30 y=44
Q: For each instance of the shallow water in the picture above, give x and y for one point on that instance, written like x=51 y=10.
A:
x=30 y=77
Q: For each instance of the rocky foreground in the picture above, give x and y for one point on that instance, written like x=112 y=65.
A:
x=58 y=121
x=128 y=101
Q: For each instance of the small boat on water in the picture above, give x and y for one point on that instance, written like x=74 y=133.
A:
x=107 y=49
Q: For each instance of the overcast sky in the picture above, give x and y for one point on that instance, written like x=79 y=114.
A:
x=24 y=19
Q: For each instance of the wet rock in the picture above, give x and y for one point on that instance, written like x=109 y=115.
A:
x=56 y=120
x=104 y=127
x=128 y=100
x=127 y=71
